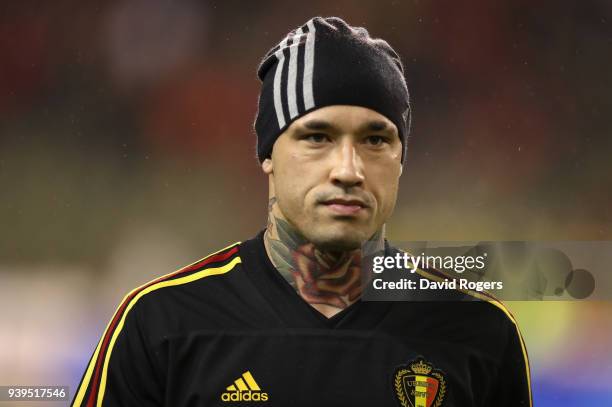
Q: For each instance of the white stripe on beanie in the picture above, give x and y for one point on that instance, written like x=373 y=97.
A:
x=278 y=105
x=292 y=74
x=309 y=66
x=291 y=91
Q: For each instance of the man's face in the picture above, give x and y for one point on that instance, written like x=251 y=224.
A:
x=335 y=175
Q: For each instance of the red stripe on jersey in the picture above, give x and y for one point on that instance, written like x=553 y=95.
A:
x=214 y=259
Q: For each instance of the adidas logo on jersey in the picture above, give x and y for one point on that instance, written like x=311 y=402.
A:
x=245 y=388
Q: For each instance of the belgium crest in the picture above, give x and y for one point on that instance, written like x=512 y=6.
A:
x=419 y=384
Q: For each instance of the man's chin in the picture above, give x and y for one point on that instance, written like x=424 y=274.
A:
x=339 y=240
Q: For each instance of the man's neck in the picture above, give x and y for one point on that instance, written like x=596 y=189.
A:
x=329 y=281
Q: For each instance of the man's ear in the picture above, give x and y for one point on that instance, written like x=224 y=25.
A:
x=267 y=166
x=401 y=169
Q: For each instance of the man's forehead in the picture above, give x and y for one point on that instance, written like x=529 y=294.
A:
x=344 y=118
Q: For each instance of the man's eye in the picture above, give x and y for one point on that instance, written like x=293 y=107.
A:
x=316 y=138
x=376 y=140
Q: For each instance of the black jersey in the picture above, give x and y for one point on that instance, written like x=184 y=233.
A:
x=229 y=330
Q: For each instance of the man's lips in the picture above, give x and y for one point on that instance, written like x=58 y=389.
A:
x=345 y=206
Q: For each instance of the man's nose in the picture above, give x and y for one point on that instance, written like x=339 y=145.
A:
x=347 y=167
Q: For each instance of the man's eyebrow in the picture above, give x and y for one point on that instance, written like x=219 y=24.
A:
x=318 y=124
x=315 y=124
x=376 y=125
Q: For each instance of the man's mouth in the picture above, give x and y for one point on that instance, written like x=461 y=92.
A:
x=343 y=206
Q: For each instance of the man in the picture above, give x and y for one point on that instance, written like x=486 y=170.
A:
x=277 y=320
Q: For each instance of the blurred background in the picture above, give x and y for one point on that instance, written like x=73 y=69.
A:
x=127 y=151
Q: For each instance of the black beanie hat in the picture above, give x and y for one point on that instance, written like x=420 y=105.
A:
x=327 y=62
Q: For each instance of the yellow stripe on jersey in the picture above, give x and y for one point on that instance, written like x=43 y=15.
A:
x=179 y=281
x=78 y=400
x=502 y=307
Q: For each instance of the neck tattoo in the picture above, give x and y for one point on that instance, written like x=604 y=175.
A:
x=329 y=281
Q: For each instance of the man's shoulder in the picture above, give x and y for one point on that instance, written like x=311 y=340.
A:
x=457 y=296
x=205 y=275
